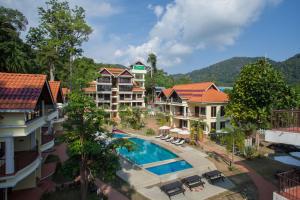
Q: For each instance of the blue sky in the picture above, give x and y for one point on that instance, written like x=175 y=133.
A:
x=185 y=34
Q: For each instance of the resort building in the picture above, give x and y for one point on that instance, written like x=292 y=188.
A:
x=196 y=101
x=118 y=87
x=27 y=108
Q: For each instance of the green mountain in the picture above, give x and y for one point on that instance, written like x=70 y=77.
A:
x=224 y=72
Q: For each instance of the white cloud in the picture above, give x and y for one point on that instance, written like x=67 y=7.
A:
x=189 y=25
x=158 y=10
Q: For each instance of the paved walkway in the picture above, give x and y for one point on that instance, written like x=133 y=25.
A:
x=265 y=188
x=110 y=192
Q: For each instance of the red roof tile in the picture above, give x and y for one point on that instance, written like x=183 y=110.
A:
x=116 y=71
x=137 y=89
x=205 y=92
x=20 y=91
x=55 y=89
x=91 y=88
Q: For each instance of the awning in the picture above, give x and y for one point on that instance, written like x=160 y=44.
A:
x=164 y=128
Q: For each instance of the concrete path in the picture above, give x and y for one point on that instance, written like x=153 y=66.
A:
x=110 y=192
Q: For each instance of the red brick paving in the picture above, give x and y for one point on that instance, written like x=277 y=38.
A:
x=111 y=193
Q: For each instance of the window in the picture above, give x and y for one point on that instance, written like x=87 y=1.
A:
x=213 y=111
x=203 y=111
x=125 y=88
x=213 y=126
x=222 y=125
x=103 y=88
x=222 y=111
x=139 y=96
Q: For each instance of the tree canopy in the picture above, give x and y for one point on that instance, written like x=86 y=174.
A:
x=59 y=36
x=258 y=90
x=16 y=56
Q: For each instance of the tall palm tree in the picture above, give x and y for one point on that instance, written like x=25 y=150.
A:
x=152 y=61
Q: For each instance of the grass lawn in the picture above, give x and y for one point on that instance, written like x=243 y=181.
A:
x=267 y=167
x=124 y=188
x=67 y=194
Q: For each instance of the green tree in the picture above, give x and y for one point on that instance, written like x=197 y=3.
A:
x=84 y=71
x=59 y=36
x=257 y=91
x=131 y=116
x=95 y=154
x=15 y=54
x=198 y=126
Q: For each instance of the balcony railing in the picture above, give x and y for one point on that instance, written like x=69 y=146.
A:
x=289 y=184
x=47 y=138
x=104 y=80
x=286 y=120
x=21 y=160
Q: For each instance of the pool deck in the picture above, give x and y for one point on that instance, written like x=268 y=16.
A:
x=148 y=183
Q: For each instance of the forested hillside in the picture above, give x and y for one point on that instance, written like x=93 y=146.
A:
x=225 y=72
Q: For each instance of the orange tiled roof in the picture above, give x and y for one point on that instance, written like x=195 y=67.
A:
x=20 y=91
x=54 y=86
x=167 y=92
x=137 y=89
x=91 y=88
x=198 y=92
x=65 y=91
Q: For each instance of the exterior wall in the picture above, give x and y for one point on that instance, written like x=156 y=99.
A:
x=175 y=108
x=277 y=196
x=277 y=136
x=12 y=119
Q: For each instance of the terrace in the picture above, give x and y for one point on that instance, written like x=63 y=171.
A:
x=289 y=184
x=285 y=127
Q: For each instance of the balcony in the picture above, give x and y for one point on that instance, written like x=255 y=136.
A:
x=106 y=80
x=47 y=142
x=285 y=127
x=197 y=116
x=125 y=81
x=289 y=184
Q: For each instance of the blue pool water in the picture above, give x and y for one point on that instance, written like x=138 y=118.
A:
x=170 y=167
x=119 y=135
x=146 y=152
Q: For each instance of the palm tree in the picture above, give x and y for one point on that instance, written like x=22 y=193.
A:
x=152 y=61
x=198 y=126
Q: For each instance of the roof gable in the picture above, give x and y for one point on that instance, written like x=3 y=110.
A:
x=56 y=91
x=125 y=73
x=22 y=91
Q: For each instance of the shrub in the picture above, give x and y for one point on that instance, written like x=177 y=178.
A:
x=150 y=132
x=250 y=152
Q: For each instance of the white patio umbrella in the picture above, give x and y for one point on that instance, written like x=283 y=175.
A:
x=175 y=130
x=184 y=133
x=164 y=128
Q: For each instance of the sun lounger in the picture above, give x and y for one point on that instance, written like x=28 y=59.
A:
x=166 y=137
x=180 y=143
x=170 y=139
x=176 y=141
x=159 y=136
x=214 y=176
x=172 y=189
x=193 y=181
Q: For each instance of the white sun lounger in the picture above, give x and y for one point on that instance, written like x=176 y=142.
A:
x=175 y=141
x=165 y=138
x=180 y=143
x=170 y=139
x=159 y=136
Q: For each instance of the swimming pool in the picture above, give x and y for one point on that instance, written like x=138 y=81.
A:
x=170 y=167
x=119 y=135
x=146 y=152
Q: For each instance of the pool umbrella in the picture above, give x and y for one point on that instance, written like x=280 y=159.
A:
x=184 y=134
x=164 y=128
x=175 y=131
